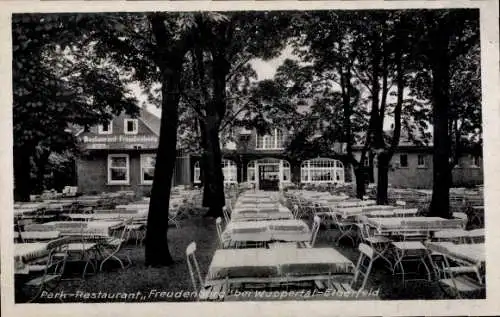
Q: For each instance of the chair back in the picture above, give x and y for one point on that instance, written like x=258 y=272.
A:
x=462 y=216
x=364 y=229
x=314 y=230
x=218 y=224
x=363 y=266
x=226 y=214
x=194 y=269
x=295 y=211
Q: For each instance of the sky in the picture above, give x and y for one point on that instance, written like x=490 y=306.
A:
x=265 y=70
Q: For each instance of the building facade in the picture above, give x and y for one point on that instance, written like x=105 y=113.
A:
x=261 y=160
x=121 y=155
x=411 y=166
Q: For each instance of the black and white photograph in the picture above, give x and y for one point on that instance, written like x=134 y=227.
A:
x=247 y=155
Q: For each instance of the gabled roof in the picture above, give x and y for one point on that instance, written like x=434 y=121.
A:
x=150 y=120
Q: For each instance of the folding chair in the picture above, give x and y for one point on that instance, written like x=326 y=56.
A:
x=314 y=232
x=356 y=285
x=460 y=280
x=137 y=228
x=52 y=271
x=462 y=216
x=295 y=211
x=346 y=228
x=363 y=269
x=173 y=212
x=379 y=244
x=193 y=267
x=226 y=214
x=114 y=244
x=218 y=225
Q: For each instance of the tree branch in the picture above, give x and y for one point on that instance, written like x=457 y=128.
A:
x=234 y=116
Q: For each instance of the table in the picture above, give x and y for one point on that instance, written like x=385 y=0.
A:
x=20 y=212
x=394 y=225
x=39 y=235
x=107 y=215
x=470 y=253
x=98 y=227
x=245 y=214
x=289 y=230
x=395 y=213
x=26 y=252
x=271 y=265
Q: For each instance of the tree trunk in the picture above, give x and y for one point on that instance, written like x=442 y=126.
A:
x=22 y=174
x=383 y=178
x=213 y=192
x=440 y=204
x=359 y=172
x=157 y=252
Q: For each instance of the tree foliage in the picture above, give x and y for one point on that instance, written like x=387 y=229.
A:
x=52 y=90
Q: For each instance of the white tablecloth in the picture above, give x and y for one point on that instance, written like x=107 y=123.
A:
x=473 y=253
x=270 y=230
x=26 y=252
x=40 y=235
x=99 y=227
x=244 y=213
x=277 y=262
x=414 y=223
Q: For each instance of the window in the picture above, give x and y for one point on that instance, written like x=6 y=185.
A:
x=251 y=172
x=147 y=168
x=118 y=169
x=229 y=171
x=280 y=139
x=403 y=160
x=287 y=176
x=274 y=141
x=197 y=173
x=131 y=126
x=421 y=160
x=106 y=128
x=322 y=170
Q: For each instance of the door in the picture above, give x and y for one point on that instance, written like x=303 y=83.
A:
x=269 y=177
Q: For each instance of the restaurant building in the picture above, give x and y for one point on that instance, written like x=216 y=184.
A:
x=121 y=156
